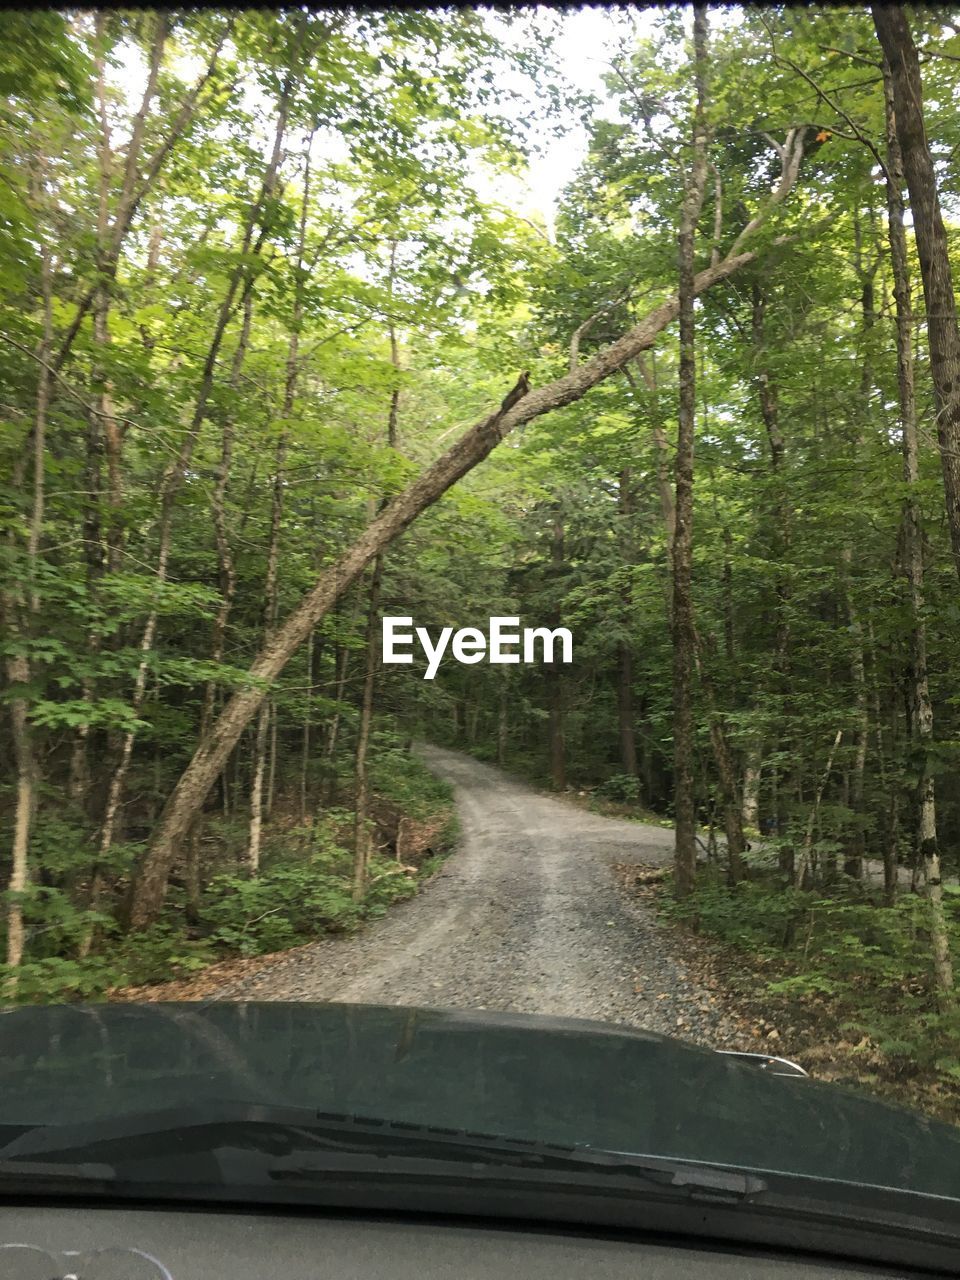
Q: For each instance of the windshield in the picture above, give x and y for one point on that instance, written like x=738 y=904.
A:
x=479 y=586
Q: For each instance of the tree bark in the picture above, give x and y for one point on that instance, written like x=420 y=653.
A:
x=648 y=370
x=361 y=833
x=683 y=634
x=472 y=448
x=314 y=650
x=943 y=332
x=20 y=606
x=731 y=800
x=226 y=567
x=769 y=402
x=271 y=597
x=628 y=742
x=920 y=706
x=503 y=720
x=752 y=770
x=271 y=586
x=95 y=558
x=554 y=673
x=853 y=860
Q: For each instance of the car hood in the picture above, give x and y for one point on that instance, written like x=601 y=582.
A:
x=547 y=1079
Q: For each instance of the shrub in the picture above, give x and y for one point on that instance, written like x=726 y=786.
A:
x=622 y=788
x=288 y=903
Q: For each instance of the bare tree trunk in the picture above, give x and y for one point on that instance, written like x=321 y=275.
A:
x=806 y=851
x=225 y=563
x=20 y=606
x=93 y=544
x=853 y=861
x=341 y=660
x=251 y=859
x=150 y=881
x=272 y=766
x=648 y=367
x=769 y=402
x=684 y=639
x=503 y=720
x=271 y=588
x=18 y=672
x=628 y=742
x=271 y=595
x=920 y=705
x=731 y=800
x=752 y=772
x=553 y=671
x=314 y=650
x=943 y=332
x=361 y=833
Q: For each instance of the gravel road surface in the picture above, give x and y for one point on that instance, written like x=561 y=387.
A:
x=526 y=916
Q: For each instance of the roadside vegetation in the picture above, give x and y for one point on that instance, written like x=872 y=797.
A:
x=304 y=889
x=833 y=976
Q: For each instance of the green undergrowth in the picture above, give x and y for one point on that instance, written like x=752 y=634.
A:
x=303 y=892
x=853 y=974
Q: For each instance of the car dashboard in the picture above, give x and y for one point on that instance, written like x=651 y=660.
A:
x=44 y=1242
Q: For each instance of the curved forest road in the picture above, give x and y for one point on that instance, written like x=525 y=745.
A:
x=525 y=916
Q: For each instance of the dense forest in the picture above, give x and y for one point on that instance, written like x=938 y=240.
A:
x=259 y=310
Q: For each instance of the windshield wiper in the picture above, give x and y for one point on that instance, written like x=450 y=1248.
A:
x=445 y=1146
x=303 y=1143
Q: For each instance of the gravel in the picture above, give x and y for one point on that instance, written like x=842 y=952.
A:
x=525 y=916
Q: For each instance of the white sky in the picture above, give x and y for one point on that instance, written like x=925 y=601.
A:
x=584 y=48
x=587 y=39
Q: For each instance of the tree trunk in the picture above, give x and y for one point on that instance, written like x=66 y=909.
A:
x=150 y=881
x=684 y=640
x=313 y=660
x=20 y=606
x=251 y=859
x=856 y=849
x=554 y=672
x=361 y=833
x=95 y=558
x=768 y=399
x=731 y=800
x=18 y=672
x=503 y=721
x=226 y=568
x=661 y=455
x=272 y=765
x=628 y=742
x=943 y=333
x=271 y=598
x=920 y=706
x=752 y=772
x=175 y=472
x=341 y=660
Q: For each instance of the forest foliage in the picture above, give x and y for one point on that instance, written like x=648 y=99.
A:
x=250 y=289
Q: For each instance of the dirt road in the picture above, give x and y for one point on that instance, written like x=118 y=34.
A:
x=525 y=916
